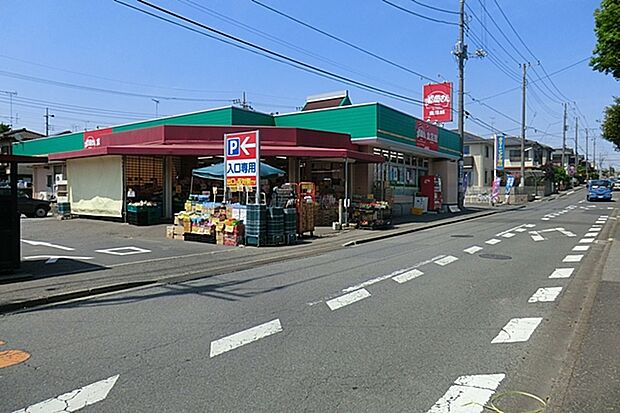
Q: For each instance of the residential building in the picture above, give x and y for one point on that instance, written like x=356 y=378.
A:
x=478 y=162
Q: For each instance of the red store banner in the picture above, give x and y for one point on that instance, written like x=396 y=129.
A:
x=92 y=139
x=427 y=135
x=438 y=102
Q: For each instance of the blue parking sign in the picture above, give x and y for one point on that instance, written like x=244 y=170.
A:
x=232 y=147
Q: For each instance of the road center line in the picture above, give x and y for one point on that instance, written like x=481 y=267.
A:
x=344 y=300
x=244 y=337
x=546 y=294
x=473 y=249
x=409 y=275
x=517 y=330
x=468 y=394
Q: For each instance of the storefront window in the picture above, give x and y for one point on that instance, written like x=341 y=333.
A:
x=144 y=178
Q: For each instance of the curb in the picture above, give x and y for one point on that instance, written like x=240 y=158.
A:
x=201 y=274
x=429 y=226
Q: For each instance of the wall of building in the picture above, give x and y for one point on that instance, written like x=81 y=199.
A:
x=448 y=171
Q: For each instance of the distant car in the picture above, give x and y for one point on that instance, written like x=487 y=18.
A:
x=32 y=208
x=599 y=189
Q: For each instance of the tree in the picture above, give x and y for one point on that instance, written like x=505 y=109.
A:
x=4 y=128
x=611 y=123
x=606 y=57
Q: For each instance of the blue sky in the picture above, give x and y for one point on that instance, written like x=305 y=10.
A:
x=48 y=45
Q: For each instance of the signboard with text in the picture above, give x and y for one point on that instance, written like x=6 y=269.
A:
x=241 y=160
x=438 y=102
x=500 y=149
x=92 y=139
x=427 y=135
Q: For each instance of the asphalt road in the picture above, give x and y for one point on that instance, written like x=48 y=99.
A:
x=420 y=323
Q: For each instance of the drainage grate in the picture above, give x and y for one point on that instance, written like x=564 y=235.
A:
x=462 y=236
x=495 y=256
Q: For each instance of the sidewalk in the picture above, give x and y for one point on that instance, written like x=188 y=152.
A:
x=24 y=290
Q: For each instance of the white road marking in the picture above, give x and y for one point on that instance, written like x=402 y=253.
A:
x=509 y=230
x=581 y=248
x=509 y=235
x=517 y=330
x=536 y=236
x=586 y=240
x=530 y=225
x=493 y=241
x=597 y=226
x=520 y=230
x=468 y=394
x=473 y=249
x=245 y=337
x=562 y=273
x=446 y=260
x=610 y=207
x=591 y=234
x=570 y=192
x=545 y=219
x=48 y=244
x=123 y=251
x=600 y=222
x=74 y=400
x=546 y=294
x=385 y=277
x=347 y=299
x=51 y=259
x=409 y=275
x=581 y=202
x=573 y=258
x=597 y=229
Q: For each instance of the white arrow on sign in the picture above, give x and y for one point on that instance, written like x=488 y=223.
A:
x=537 y=237
x=245 y=145
x=74 y=400
x=48 y=244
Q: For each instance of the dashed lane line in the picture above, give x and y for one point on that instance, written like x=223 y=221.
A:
x=573 y=258
x=493 y=241
x=586 y=240
x=473 y=249
x=446 y=260
x=468 y=394
x=517 y=330
x=562 y=273
x=580 y=248
x=245 y=337
x=591 y=234
x=407 y=276
x=545 y=294
x=344 y=300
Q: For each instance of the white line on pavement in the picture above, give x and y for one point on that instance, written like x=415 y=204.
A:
x=536 y=236
x=74 y=400
x=508 y=235
x=545 y=219
x=347 y=299
x=597 y=229
x=572 y=258
x=123 y=251
x=509 y=230
x=493 y=241
x=530 y=225
x=385 y=277
x=446 y=260
x=570 y=192
x=409 y=275
x=517 y=330
x=562 y=273
x=244 y=337
x=468 y=394
x=520 y=230
x=546 y=294
x=473 y=249
x=48 y=244
x=591 y=234
x=586 y=240
x=581 y=248
x=51 y=259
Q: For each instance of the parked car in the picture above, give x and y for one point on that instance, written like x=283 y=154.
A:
x=599 y=189
x=33 y=207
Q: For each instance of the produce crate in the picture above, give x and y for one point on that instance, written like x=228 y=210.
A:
x=206 y=238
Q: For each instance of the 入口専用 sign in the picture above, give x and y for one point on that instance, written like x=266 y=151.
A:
x=241 y=160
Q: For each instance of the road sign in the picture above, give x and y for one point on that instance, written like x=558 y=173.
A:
x=242 y=160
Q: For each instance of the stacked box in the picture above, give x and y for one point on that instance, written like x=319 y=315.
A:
x=275 y=226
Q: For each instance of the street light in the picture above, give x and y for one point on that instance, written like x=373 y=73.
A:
x=156 y=107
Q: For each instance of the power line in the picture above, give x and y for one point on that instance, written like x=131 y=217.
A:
x=342 y=41
x=418 y=14
x=419 y=3
x=262 y=51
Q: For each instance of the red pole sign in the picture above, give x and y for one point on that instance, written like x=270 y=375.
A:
x=242 y=160
x=438 y=102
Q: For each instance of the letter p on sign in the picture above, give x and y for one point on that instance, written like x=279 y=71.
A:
x=233 y=147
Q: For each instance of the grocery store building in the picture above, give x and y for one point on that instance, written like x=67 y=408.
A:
x=349 y=151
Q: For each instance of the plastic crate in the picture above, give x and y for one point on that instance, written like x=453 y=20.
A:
x=290 y=239
x=275 y=240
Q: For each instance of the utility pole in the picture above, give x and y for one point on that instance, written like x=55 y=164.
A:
x=156 y=107
x=461 y=54
x=47 y=117
x=522 y=181
x=564 y=137
x=594 y=152
x=11 y=94
x=587 y=168
x=576 y=142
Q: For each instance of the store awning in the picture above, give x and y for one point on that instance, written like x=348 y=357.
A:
x=216 y=171
x=217 y=149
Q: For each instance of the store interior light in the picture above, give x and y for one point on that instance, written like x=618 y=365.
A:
x=281 y=157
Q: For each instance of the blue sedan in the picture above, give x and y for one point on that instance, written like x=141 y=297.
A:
x=599 y=189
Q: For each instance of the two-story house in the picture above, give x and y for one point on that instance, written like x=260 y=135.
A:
x=478 y=162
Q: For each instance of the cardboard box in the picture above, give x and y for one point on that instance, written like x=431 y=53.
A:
x=178 y=229
x=170 y=232
x=179 y=237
